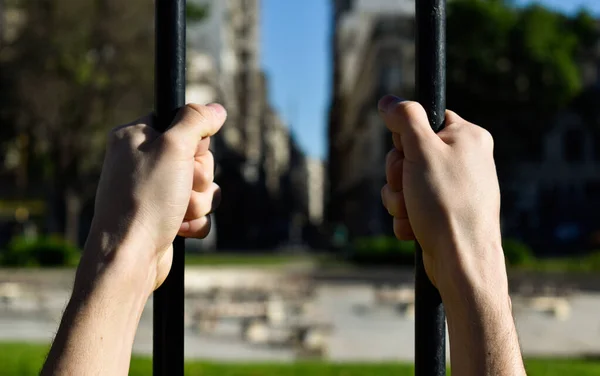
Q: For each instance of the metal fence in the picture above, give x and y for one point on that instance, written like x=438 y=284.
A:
x=430 y=348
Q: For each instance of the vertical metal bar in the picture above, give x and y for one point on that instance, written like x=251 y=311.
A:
x=169 y=97
x=430 y=328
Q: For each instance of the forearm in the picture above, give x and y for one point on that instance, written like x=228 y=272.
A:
x=98 y=327
x=483 y=337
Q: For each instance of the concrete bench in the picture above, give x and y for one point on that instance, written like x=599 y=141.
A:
x=9 y=292
x=308 y=337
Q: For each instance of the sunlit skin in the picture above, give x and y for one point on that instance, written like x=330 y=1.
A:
x=441 y=189
x=153 y=187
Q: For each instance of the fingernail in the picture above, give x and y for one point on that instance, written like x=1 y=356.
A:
x=218 y=108
x=387 y=103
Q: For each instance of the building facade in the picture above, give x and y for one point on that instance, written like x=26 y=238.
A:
x=374 y=52
x=549 y=200
x=256 y=158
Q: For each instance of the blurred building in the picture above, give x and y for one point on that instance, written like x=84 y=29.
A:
x=315 y=191
x=555 y=197
x=551 y=199
x=257 y=159
x=374 y=52
x=229 y=38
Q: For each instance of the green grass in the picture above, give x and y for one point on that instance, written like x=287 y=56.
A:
x=26 y=359
x=579 y=264
x=224 y=259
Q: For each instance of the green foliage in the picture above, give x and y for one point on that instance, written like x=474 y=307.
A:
x=516 y=252
x=383 y=244
x=382 y=250
x=44 y=251
x=74 y=70
x=593 y=261
x=579 y=264
x=525 y=59
x=27 y=359
x=196 y=12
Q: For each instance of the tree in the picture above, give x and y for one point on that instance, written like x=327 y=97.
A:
x=76 y=69
x=511 y=69
x=79 y=68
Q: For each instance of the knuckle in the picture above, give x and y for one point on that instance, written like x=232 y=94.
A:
x=209 y=166
x=131 y=135
x=400 y=230
x=208 y=175
x=383 y=195
x=391 y=156
x=198 y=206
x=205 y=230
x=484 y=138
x=116 y=135
x=198 y=113
x=173 y=144
x=216 y=198
x=394 y=161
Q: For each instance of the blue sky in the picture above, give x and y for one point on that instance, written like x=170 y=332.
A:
x=296 y=57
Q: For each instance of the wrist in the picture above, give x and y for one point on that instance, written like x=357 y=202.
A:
x=123 y=259
x=472 y=301
x=483 y=337
x=473 y=277
x=108 y=299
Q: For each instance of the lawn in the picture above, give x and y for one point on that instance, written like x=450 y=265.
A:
x=577 y=264
x=26 y=359
x=228 y=259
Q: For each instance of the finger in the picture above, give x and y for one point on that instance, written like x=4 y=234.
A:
x=147 y=119
x=455 y=127
x=204 y=172
x=453 y=117
x=403 y=229
x=394 y=202
x=408 y=120
x=197 y=228
x=203 y=146
x=393 y=169
x=397 y=140
x=193 y=123
x=136 y=133
x=203 y=203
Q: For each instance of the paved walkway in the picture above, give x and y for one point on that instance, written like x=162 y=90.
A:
x=360 y=333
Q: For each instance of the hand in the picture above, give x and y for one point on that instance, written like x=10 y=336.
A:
x=153 y=187
x=442 y=190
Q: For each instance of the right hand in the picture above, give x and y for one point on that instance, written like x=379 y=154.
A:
x=442 y=190
x=153 y=187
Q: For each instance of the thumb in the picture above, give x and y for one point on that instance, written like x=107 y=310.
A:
x=195 y=122
x=409 y=120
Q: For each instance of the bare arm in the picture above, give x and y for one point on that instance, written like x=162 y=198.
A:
x=442 y=190
x=99 y=324
x=153 y=187
x=483 y=337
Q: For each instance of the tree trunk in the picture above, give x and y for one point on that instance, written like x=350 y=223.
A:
x=73 y=204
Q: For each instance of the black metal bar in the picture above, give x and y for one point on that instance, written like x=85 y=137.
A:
x=169 y=97
x=430 y=328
